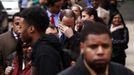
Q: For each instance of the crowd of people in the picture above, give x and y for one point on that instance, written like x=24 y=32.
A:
x=65 y=37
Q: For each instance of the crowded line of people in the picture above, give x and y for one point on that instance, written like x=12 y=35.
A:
x=62 y=37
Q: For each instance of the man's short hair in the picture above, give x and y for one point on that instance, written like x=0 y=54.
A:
x=96 y=28
x=67 y=13
x=37 y=17
x=16 y=14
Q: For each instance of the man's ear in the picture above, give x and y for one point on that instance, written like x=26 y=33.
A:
x=81 y=47
x=31 y=29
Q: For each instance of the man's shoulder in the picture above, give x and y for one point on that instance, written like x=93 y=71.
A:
x=119 y=69
x=44 y=48
x=47 y=45
x=3 y=35
x=73 y=70
x=68 y=71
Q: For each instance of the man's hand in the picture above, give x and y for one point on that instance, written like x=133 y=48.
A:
x=8 y=70
x=68 y=31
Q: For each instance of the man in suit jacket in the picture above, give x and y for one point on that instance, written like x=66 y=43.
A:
x=53 y=11
x=8 y=41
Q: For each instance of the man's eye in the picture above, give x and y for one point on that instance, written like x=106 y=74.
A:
x=105 y=45
x=93 y=46
x=17 y=23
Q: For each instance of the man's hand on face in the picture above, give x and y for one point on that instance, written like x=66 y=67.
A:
x=68 y=31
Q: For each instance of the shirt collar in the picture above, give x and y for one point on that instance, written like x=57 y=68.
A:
x=92 y=71
x=15 y=35
x=49 y=13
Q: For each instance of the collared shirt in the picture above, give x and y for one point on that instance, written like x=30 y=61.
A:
x=92 y=71
x=15 y=35
x=56 y=18
x=57 y=22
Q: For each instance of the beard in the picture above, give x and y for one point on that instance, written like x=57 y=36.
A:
x=98 y=67
x=27 y=39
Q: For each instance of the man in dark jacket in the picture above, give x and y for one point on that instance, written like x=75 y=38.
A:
x=96 y=49
x=45 y=56
x=68 y=36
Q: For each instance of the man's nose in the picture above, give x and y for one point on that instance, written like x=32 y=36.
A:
x=100 y=50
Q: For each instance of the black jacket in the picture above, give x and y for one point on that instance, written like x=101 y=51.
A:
x=71 y=45
x=46 y=59
x=80 y=69
x=120 y=41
